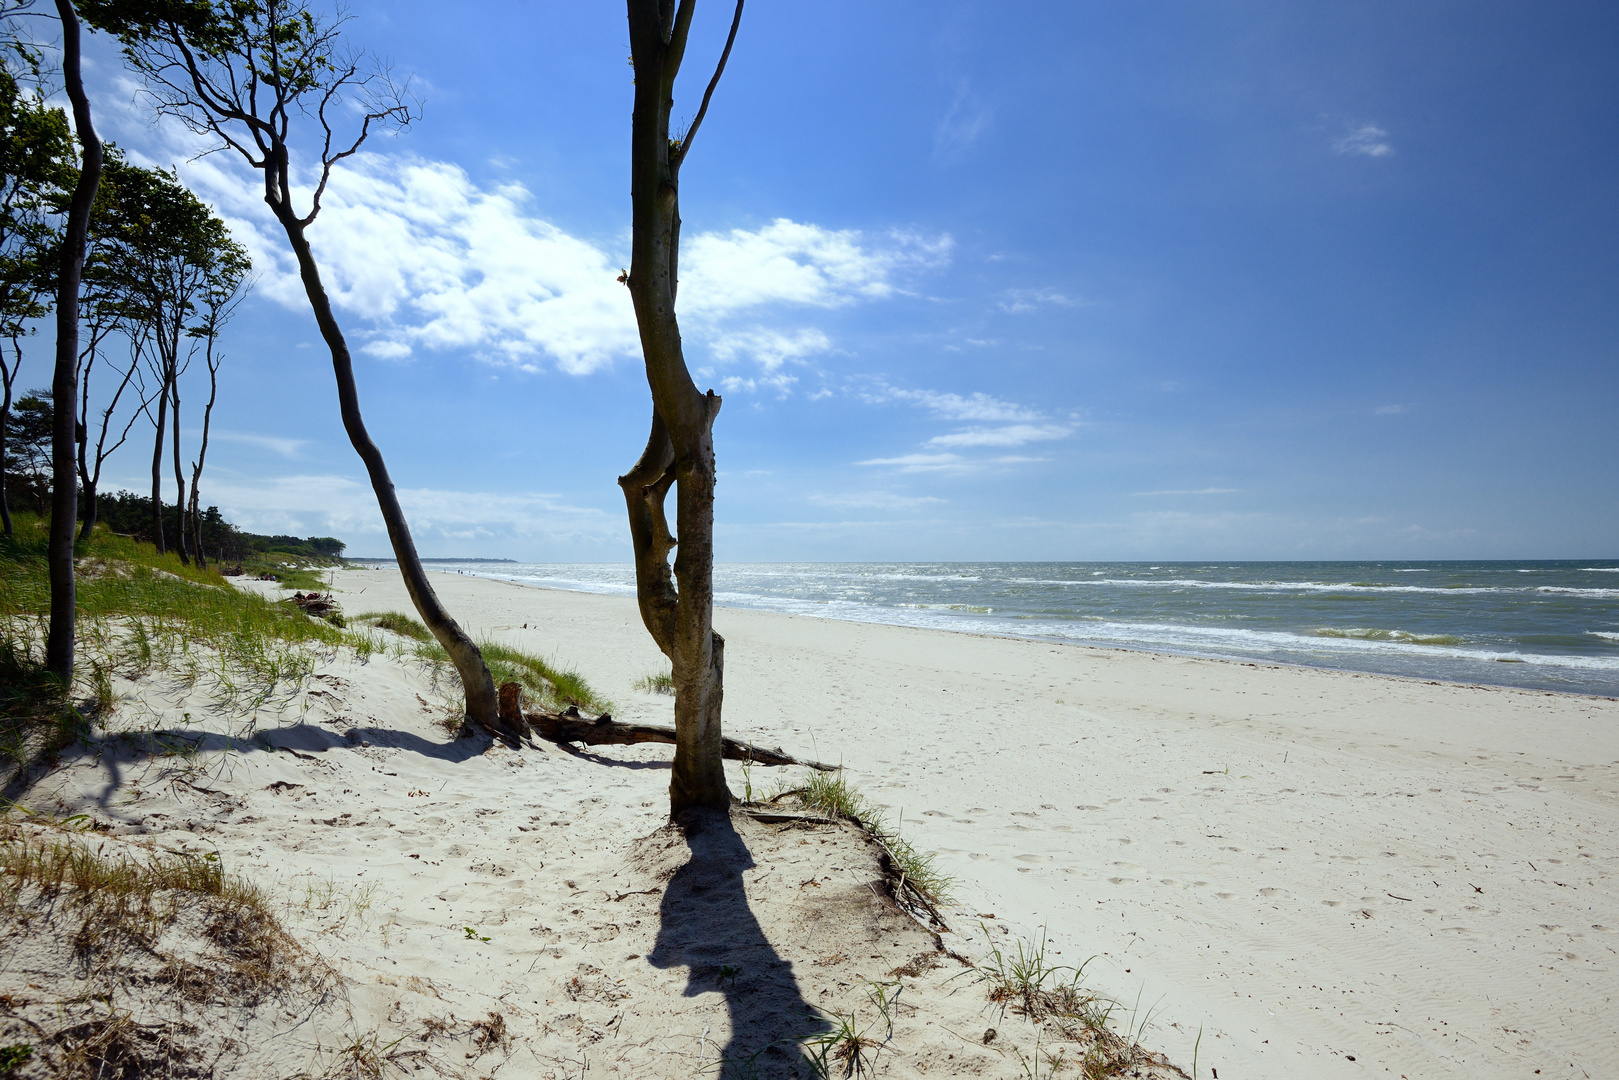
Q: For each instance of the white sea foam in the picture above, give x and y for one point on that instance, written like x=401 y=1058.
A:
x=1285 y=621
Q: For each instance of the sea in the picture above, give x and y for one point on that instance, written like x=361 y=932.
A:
x=1544 y=625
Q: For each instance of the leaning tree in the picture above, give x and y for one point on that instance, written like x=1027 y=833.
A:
x=680 y=450
x=243 y=74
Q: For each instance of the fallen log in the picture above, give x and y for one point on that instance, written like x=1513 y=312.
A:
x=569 y=726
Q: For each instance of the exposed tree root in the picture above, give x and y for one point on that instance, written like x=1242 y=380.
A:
x=569 y=726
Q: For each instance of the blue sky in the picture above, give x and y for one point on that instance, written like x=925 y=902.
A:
x=1032 y=281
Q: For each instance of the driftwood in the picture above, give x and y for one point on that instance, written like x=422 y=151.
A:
x=569 y=726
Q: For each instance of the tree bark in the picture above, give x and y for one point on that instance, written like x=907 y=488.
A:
x=202 y=457
x=157 y=462
x=7 y=374
x=182 y=540
x=65 y=385
x=680 y=448
x=605 y=731
x=481 y=700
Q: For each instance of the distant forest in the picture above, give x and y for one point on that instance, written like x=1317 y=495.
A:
x=129 y=513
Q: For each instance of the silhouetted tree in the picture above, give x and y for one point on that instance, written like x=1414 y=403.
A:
x=680 y=449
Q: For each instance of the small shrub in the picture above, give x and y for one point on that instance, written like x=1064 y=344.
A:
x=656 y=682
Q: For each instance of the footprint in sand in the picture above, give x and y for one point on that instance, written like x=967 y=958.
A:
x=1281 y=894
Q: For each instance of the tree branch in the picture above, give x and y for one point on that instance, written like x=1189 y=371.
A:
x=679 y=156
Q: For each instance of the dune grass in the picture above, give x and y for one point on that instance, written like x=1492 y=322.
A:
x=120 y=897
x=656 y=682
x=831 y=794
x=545 y=684
x=396 y=622
x=140 y=612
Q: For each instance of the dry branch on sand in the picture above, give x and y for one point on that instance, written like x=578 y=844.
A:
x=570 y=726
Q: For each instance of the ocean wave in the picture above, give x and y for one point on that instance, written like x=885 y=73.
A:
x=1599 y=569
x=1604 y=635
x=1595 y=594
x=1388 y=635
x=1288 y=586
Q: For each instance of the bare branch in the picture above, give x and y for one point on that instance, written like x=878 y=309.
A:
x=679 y=155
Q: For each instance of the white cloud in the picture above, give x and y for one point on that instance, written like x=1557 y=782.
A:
x=1196 y=491
x=769 y=348
x=1020 y=301
x=791 y=262
x=966 y=119
x=993 y=423
x=331 y=504
x=418 y=256
x=287 y=448
x=977 y=406
x=1389 y=410
x=1367 y=139
x=1010 y=435
x=874 y=500
x=945 y=462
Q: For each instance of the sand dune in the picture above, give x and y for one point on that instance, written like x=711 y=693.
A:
x=1326 y=873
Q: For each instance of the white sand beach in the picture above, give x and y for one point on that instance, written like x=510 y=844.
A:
x=1327 y=874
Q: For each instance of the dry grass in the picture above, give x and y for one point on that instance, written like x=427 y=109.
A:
x=1053 y=994
x=120 y=902
x=831 y=794
x=107 y=936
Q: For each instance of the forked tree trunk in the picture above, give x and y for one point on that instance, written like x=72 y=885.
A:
x=482 y=701
x=65 y=383
x=680 y=448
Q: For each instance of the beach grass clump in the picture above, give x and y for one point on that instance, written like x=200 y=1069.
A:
x=121 y=900
x=831 y=795
x=545 y=684
x=397 y=622
x=1028 y=983
x=656 y=682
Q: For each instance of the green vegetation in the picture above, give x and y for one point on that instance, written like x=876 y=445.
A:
x=396 y=622
x=1030 y=985
x=544 y=684
x=656 y=682
x=831 y=794
x=139 y=612
x=120 y=897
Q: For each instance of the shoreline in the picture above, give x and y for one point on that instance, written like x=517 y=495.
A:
x=1287 y=855
x=1040 y=639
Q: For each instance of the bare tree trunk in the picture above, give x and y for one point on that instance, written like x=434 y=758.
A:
x=7 y=375
x=182 y=541
x=483 y=706
x=202 y=457
x=680 y=448
x=64 y=384
x=157 y=464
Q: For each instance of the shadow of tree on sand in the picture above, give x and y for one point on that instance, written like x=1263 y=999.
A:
x=706 y=926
